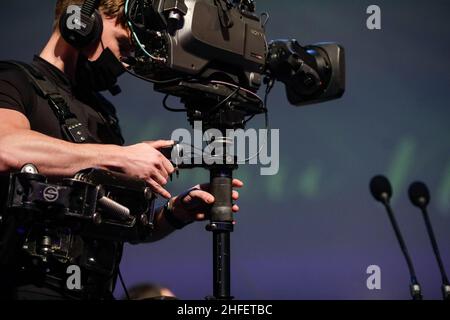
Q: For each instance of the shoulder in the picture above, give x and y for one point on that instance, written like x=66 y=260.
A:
x=14 y=75
x=16 y=88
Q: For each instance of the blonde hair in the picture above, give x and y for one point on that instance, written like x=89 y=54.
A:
x=110 y=8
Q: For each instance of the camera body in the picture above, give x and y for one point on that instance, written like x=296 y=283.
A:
x=201 y=44
x=196 y=42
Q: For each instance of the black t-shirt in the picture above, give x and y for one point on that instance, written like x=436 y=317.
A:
x=92 y=110
x=17 y=93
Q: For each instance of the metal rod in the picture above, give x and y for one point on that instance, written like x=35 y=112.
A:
x=221 y=260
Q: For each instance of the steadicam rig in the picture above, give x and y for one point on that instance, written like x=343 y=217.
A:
x=213 y=54
x=94 y=203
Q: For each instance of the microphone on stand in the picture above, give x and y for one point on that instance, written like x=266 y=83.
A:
x=420 y=197
x=381 y=190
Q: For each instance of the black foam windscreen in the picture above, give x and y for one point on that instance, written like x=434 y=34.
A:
x=380 y=185
x=419 y=194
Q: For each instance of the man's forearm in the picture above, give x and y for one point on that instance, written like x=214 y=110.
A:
x=58 y=158
x=53 y=157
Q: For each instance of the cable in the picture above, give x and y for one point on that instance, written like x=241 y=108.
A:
x=136 y=38
x=193 y=147
x=267 y=16
x=231 y=95
x=123 y=285
x=236 y=86
x=269 y=87
x=153 y=80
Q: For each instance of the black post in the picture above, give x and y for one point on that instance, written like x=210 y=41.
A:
x=221 y=260
x=445 y=283
x=415 y=289
x=221 y=225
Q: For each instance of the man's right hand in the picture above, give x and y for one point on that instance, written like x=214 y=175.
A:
x=145 y=161
x=54 y=157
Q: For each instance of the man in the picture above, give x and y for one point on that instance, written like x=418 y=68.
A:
x=30 y=132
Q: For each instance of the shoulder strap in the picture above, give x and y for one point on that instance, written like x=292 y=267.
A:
x=109 y=112
x=72 y=129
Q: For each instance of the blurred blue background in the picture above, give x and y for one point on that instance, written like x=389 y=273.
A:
x=311 y=231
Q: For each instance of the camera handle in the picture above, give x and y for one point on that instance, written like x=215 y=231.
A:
x=221 y=225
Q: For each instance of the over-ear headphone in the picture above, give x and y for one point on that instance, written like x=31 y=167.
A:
x=82 y=30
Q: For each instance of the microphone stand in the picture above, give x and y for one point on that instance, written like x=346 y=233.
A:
x=414 y=287
x=445 y=283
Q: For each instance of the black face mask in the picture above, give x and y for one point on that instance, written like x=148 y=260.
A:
x=101 y=74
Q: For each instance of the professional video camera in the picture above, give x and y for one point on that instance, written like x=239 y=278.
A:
x=214 y=55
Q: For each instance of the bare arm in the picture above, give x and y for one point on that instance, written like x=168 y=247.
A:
x=20 y=145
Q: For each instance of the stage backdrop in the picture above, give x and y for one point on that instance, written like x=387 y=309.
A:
x=311 y=231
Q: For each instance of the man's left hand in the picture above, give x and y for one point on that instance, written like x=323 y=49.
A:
x=194 y=204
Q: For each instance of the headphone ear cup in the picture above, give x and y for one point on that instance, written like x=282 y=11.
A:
x=97 y=28
x=81 y=34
